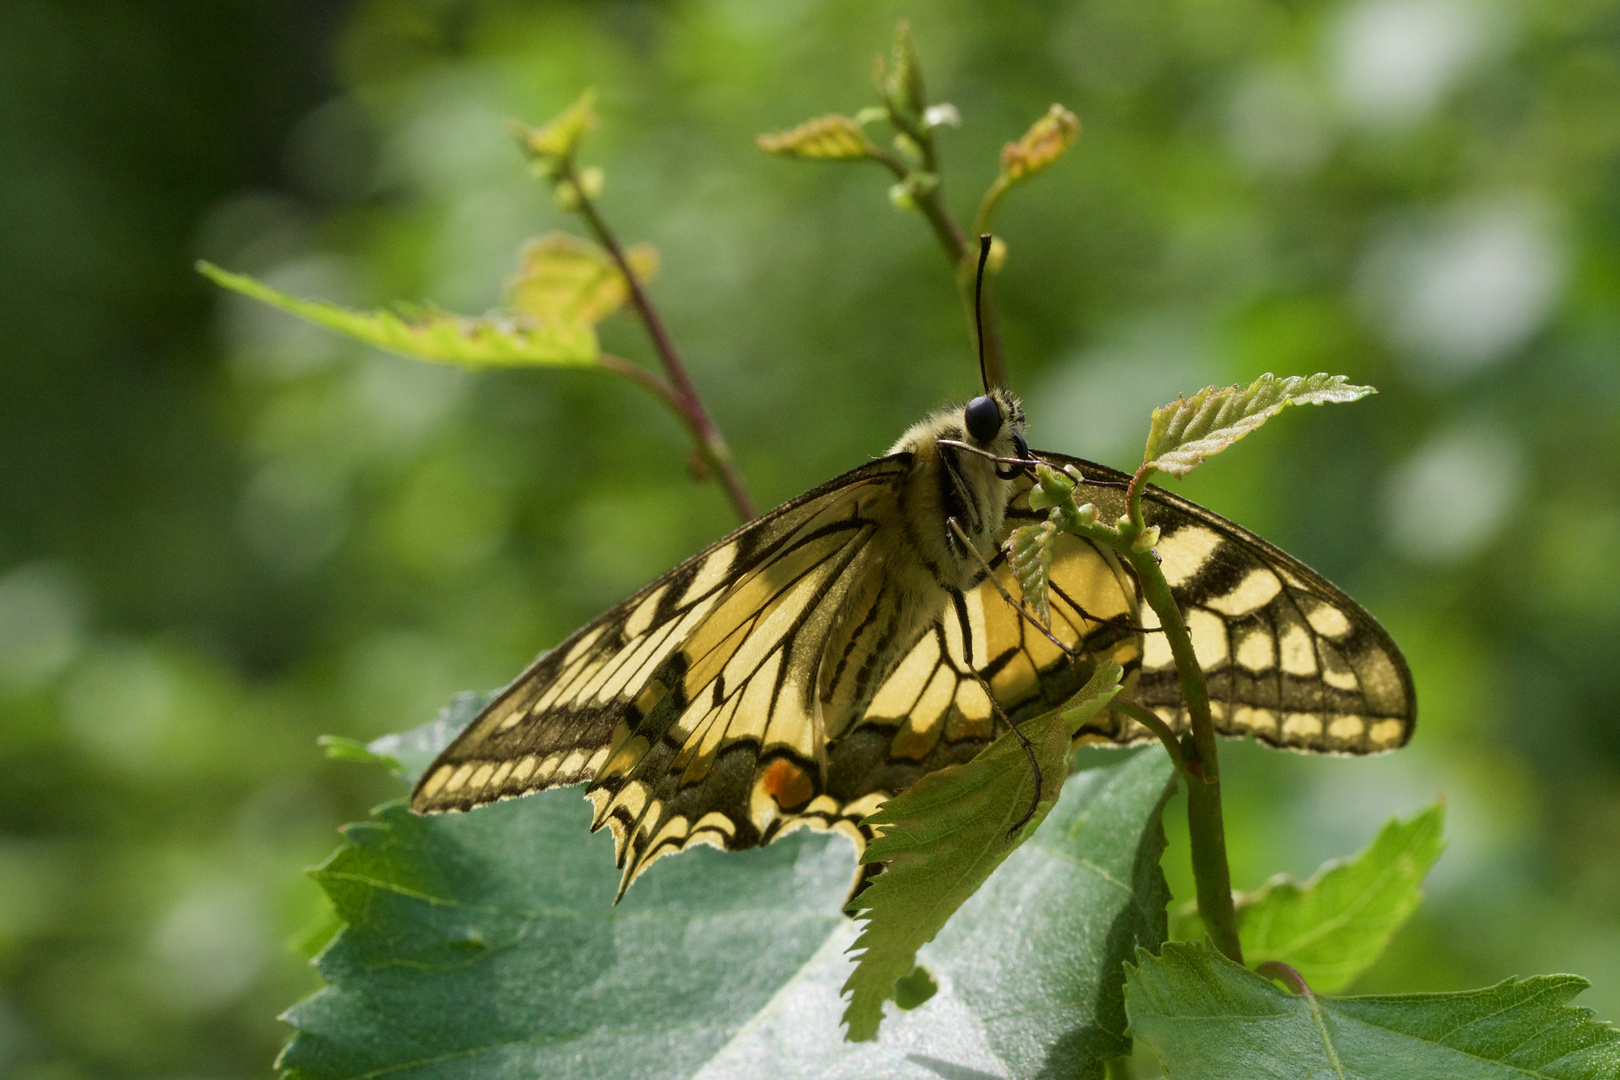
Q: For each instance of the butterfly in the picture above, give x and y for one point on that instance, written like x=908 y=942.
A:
x=824 y=657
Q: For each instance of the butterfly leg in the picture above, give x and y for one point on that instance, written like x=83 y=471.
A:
x=990 y=575
x=1029 y=751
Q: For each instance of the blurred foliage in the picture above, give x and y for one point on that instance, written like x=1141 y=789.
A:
x=223 y=533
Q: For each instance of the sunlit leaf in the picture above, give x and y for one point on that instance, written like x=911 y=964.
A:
x=1188 y=430
x=1046 y=140
x=489 y=940
x=941 y=838
x=557 y=139
x=567 y=278
x=1208 y=1017
x=1029 y=553
x=826 y=138
x=486 y=944
x=435 y=335
x=1332 y=928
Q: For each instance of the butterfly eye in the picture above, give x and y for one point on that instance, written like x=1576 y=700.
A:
x=983 y=418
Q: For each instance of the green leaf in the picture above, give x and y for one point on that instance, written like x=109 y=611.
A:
x=415 y=750
x=825 y=138
x=567 y=279
x=343 y=748
x=1208 y=1017
x=485 y=944
x=1188 y=430
x=1038 y=953
x=488 y=944
x=902 y=87
x=1333 y=927
x=435 y=335
x=1047 y=139
x=1029 y=553
x=555 y=141
x=942 y=837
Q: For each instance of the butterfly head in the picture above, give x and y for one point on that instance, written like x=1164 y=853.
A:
x=994 y=422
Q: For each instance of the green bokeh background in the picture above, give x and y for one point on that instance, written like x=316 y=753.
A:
x=223 y=533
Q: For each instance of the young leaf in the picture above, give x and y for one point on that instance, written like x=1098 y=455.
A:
x=1206 y=1017
x=1047 y=139
x=1333 y=927
x=941 y=838
x=553 y=143
x=902 y=88
x=568 y=279
x=435 y=335
x=826 y=138
x=1029 y=553
x=1188 y=430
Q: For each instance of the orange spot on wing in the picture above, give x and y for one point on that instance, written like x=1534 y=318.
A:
x=787 y=784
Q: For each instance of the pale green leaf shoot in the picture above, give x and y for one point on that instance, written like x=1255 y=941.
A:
x=1029 y=553
x=1188 y=430
x=1208 y=1017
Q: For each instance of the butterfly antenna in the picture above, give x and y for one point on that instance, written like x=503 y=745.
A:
x=978 y=307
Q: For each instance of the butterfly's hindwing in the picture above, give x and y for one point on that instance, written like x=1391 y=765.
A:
x=1287 y=657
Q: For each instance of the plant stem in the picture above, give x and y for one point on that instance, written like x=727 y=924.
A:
x=1276 y=969
x=1205 y=824
x=643 y=378
x=1150 y=720
x=955 y=244
x=678 y=393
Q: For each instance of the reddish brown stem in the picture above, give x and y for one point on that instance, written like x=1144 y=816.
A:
x=678 y=393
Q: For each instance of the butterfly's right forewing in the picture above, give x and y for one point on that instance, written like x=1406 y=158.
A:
x=558 y=721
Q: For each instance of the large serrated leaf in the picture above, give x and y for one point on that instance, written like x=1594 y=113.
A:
x=485 y=944
x=1334 y=926
x=942 y=837
x=1208 y=1018
x=1189 y=430
x=435 y=335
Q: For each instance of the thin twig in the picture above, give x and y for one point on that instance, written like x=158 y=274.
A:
x=951 y=238
x=1276 y=969
x=683 y=395
x=641 y=377
x=1151 y=720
